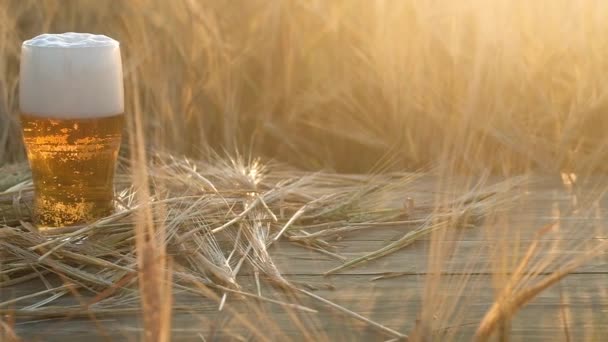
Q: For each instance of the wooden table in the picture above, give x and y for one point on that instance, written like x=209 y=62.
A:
x=575 y=309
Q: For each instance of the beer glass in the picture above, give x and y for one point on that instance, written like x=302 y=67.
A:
x=72 y=104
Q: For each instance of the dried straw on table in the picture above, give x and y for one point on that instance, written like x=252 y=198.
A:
x=218 y=215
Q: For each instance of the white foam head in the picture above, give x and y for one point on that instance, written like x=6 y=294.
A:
x=71 y=75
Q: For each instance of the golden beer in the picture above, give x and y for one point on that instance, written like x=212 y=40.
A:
x=72 y=162
x=71 y=99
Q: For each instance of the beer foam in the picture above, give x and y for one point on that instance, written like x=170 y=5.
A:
x=71 y=75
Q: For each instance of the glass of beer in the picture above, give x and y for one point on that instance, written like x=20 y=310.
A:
x=72 y=104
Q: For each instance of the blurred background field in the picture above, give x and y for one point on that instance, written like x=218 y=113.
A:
x=348 y=84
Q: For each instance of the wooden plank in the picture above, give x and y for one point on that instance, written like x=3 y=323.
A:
x=466 y=257
x=579 y=303
x=528 y=209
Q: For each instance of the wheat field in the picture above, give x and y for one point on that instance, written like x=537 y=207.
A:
x=342 y=84
x=376 y=92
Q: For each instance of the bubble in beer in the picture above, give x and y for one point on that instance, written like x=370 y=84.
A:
x=71 y=75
